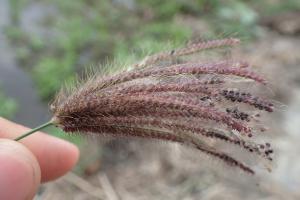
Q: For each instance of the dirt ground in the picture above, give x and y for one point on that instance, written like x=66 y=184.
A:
x=149 y=170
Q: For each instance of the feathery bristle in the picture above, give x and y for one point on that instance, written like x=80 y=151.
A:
x=189 y=49
x=186 y=103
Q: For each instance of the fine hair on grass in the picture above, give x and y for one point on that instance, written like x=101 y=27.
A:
x=187 y=102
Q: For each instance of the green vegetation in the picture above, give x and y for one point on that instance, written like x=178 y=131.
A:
x=8 y=106
x=90 y=32
x=271 y=8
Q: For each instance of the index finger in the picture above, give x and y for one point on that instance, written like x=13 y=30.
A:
x=55 y=156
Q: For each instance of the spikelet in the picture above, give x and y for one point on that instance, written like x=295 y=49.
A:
x=187 y=103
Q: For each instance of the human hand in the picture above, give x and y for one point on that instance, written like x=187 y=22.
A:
x=36 y=159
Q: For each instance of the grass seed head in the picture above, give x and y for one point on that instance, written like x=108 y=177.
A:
x=186 y=103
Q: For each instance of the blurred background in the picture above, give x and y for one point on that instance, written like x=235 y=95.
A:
x=46 y=43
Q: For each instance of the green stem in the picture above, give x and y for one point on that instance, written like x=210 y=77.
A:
x=34 y=130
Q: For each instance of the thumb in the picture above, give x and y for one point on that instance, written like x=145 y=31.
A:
x=19 y=171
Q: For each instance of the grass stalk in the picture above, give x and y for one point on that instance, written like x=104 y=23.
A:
x=34 y=130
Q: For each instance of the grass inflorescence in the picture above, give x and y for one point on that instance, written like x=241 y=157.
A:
x=188 y=102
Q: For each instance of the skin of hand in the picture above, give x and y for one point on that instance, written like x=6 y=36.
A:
x=24 y=165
